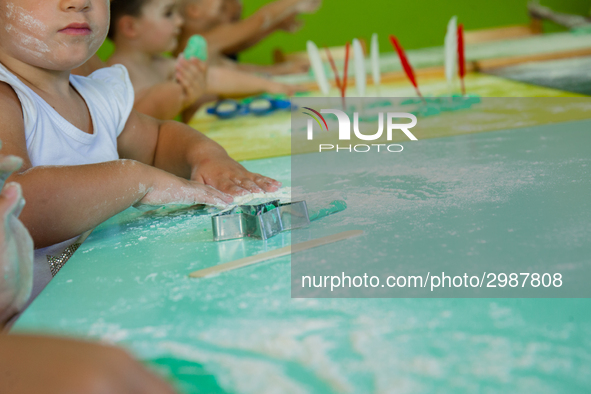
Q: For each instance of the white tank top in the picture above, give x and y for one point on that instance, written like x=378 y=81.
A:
x=52 y=140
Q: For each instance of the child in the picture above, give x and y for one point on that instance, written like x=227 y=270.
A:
x=144 y=29
x=210 y=19
x=58 y=365
x=86 y=154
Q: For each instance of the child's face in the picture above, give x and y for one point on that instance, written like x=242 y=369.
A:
x=159 y=26
x=52 y=34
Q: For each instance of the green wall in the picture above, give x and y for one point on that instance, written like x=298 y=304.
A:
x=418 y=23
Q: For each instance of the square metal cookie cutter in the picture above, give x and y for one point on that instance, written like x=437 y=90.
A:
x=261 y=219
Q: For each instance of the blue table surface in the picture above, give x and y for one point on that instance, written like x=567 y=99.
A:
x=242 y=332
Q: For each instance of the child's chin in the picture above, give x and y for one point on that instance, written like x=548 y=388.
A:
x=58 y=64
x=71 y=60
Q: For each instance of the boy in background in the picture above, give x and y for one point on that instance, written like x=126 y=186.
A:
x=143 y=30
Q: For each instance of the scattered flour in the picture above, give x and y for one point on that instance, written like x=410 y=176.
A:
x=283 y=194
x=243 y=375
x=290 y=342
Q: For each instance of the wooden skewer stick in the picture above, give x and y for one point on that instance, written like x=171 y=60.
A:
x=274 y=253
x=334 y=69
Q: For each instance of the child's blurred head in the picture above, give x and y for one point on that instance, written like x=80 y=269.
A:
x=52 y=34
x=152 y=25
x=202 y=14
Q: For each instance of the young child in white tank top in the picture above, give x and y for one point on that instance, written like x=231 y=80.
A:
x=86 y=154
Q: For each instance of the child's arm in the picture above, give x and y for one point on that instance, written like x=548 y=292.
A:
x=34 y=364
x=229 y=36
x=231 y=82
x=65 y=201
x=290 y=67
x=177 y=148
x=161 y=101
x=290 y=25
x=167 y=100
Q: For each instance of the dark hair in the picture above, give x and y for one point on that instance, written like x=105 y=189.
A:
x=120 y=8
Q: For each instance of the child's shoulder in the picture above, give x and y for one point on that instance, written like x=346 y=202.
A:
x=111 y=85
x=11 y=113
x=115 y=77
x=8 y=99
x=116 y=71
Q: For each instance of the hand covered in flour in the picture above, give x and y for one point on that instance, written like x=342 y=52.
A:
x=32 y=364
x=228 y=176
x=170 y=189
x=16 y=245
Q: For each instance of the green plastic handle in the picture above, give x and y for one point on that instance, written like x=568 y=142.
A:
x=196 y=47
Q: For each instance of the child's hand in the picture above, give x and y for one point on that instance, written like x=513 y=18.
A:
x=228 y=176
x=16 y=245
x=291 y=25
x=191 y=75
x=308 y=6
x=170 y=189
x=32 y=364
